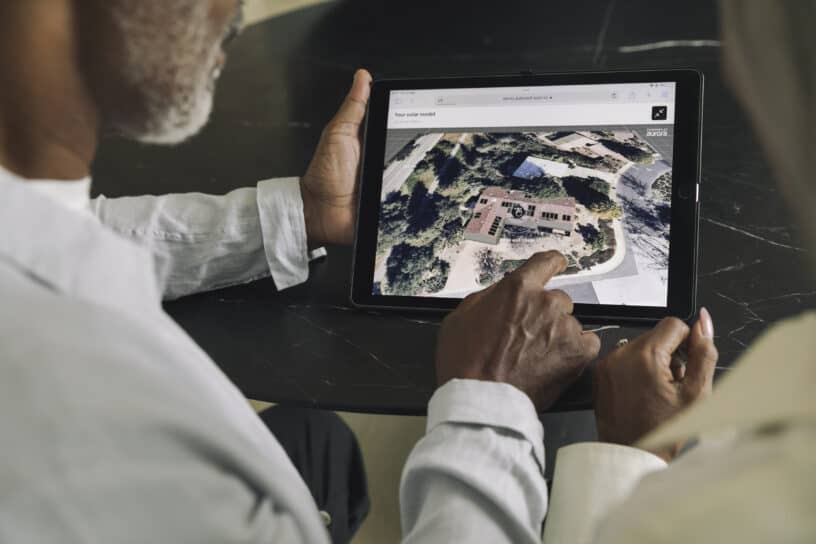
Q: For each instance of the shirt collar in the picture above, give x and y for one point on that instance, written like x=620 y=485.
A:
x=74 y=194
x=73 y=253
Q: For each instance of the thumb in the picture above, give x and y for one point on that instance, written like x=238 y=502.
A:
x=352 y=110
x=702 y=356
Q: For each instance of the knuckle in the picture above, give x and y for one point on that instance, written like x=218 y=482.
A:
x=646 y=354
x=516 y=281
x=573 y=327
x=560 y=295
x=549 y=303
x=711 y=353
x=674 y=322
x=337 y=126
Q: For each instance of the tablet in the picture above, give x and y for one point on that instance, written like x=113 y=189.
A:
x=463 y=179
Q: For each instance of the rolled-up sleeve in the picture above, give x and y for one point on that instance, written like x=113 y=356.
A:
x=280 y=207
x=477 y=475
x=205 y=242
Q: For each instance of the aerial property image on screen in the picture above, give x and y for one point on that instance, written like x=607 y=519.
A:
x=461 y=208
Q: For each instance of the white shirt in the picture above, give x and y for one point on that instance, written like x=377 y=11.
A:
x=118 y=428
x=139 y=429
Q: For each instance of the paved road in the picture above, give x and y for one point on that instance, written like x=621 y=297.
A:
x=643 y=175
x=397 y=172
x=627 y=267
x=396 y=139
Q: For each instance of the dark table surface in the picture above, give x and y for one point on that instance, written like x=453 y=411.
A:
x=285 y=78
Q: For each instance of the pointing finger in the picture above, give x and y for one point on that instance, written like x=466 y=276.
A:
x=542 y=266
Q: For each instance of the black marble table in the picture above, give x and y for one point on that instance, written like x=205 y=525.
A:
x=286 y=77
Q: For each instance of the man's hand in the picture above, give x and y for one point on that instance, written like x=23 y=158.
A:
x=643 y=383
x=518 y=333
x=329 y=187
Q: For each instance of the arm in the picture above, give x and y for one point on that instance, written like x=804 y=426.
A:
x=204 y=242
x=589 y=480
x=477 y=475
x=637 y=387
x=506 y=352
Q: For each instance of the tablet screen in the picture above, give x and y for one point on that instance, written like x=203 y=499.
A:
x=478 y=180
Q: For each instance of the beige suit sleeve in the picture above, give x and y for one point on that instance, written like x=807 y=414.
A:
x=590 y=479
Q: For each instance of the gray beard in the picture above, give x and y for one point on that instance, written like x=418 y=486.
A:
x=170 y=61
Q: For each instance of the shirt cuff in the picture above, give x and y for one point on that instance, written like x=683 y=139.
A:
x=280 y=208
x=590 y=479
x=492 y=404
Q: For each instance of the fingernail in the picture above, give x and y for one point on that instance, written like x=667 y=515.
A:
x=707 y=323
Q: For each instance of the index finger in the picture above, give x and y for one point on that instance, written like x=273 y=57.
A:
x=543 y=266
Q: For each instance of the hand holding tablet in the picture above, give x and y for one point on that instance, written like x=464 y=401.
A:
x=463 y=180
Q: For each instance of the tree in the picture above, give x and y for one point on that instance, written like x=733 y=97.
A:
x=393 y=215
x=509 y=265
x=422 y=213
x=661 y=188
x=449 y=172
x=405 y=268
x=437 y=277
x=411 y=270
x=593 y=237
x=585 y=191
x=631 y=152
x=540 y=187
x=451 y=232
x=600 y=185
x=489 y=266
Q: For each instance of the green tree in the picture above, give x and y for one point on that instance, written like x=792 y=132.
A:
x=488 y=263
x=393 y=220
x=405 y=268
x=631 y=152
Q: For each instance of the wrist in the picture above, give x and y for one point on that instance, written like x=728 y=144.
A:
x=329 y=219
x=312 y=217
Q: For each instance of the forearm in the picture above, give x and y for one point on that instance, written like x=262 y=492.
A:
x=477 y=476
x=204 y=242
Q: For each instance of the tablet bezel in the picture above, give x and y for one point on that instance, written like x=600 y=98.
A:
x=683 y=232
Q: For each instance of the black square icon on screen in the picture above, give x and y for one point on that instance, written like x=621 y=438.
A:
x=659 y=113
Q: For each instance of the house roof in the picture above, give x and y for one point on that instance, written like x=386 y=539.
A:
x=477 y=224
x=520 y=196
